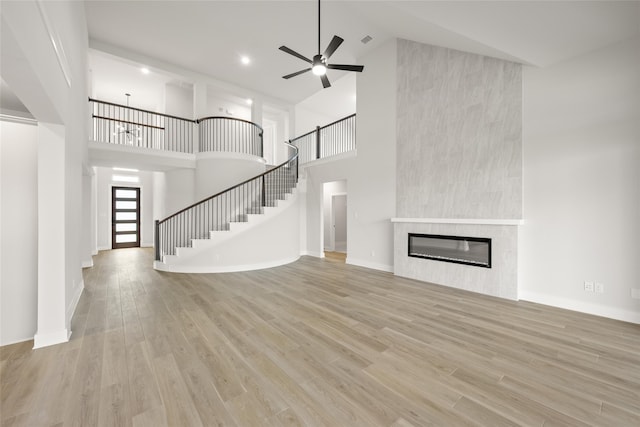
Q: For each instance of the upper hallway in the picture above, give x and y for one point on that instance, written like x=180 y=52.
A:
x=159 y=97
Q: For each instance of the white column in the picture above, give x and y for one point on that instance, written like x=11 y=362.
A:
x=94 y=211
x=256 y=111
x=199 y=108
x=51 y=236
x=87 y=219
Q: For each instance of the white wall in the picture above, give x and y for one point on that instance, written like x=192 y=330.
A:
x=50 y=79
x=327 y=105
x=159 y=196
x=581 y=182
x=19 y=230
x=219 y=106
x=371 y=175
x=179 y=190
x=179 y=101
x=216 y=172
x=307 y=120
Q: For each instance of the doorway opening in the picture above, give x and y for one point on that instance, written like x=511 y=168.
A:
x=335 y=220
x=125 y=217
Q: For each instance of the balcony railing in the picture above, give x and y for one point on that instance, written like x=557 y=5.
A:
x=230 y=135
x=123 y=125
x=129 y=126
x=326 y=141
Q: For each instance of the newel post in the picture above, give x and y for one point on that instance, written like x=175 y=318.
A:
x=317 y=142
x=156 y=239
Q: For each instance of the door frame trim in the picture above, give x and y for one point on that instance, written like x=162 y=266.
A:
x=135 y=244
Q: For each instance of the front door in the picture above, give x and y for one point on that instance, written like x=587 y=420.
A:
x=125 y=217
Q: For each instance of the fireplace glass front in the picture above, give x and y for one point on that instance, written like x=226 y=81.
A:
x=457 y=249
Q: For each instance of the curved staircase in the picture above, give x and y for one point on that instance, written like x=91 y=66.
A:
x=251 y=225
x=248 y=226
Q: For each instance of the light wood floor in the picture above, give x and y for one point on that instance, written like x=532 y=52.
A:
x=316 y=343
x=335 y=256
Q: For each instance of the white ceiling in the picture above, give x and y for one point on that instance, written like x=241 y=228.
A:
x=9 y=102
x=209 y=37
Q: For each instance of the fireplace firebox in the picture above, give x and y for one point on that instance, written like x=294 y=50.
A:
x=457 y=249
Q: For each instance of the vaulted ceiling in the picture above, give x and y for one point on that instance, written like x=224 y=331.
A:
x=210 y=37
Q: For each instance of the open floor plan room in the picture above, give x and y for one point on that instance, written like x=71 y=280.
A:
x=313 y=343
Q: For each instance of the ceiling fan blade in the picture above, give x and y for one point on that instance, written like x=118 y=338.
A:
x=335 y=43
x=325 y=81
x=356 y=68
x=288 y=76
x=294 y=53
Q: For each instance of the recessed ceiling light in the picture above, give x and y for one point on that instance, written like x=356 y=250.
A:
x=249 y=101
x=144 y=70
x=245 y=60
x=125 y=169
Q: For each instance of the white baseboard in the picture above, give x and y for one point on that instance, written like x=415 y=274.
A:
x=221 y=269
x=581 y=306
x=104 y=248
x=74 y=302
x=15 y=341
x=312 y=253
x=87 y=264
x=146 y=245
x=51 y=338
x=369 y=264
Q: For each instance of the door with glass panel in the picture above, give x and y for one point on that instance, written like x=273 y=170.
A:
x=125 y=217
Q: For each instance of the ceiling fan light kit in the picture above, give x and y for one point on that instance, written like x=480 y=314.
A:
x=319 y=65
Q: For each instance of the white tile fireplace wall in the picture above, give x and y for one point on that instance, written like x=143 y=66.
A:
x=500 y=280
x=459 y=156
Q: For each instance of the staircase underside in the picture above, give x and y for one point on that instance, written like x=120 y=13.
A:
x=262 y=240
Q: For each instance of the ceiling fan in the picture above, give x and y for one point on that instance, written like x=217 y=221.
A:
x=319 y=63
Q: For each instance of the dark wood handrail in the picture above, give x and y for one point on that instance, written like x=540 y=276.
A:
x=229 y=118
x=141 y=110
x=338 y=121
x=125 y=121
x=235 y=186
x=175 y=117
x=306 y=134
x=324 y=127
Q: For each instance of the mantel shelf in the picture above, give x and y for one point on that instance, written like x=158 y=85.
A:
x=472 y=221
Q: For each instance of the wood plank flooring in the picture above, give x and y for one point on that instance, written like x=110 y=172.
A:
x=316 y=343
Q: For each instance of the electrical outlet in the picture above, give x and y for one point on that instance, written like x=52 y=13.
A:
x=599 y=288
x=588 y=286
x=635 y=293
x=373 y=254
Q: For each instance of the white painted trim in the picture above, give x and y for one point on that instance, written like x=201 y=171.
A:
x=16 y=341
x=207 y=155
x=313 y=254
x=369 y=264
x=472 y=221
x=160 y=266
x=581 y=306
x=325 y=160
x=52 y=338
x=74 y=302
x=104 y=248
x=18 y=119
x=56 y=43
x=87 y=264
x=146 y=245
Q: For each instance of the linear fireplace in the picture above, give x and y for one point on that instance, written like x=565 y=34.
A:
x=457 y=249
